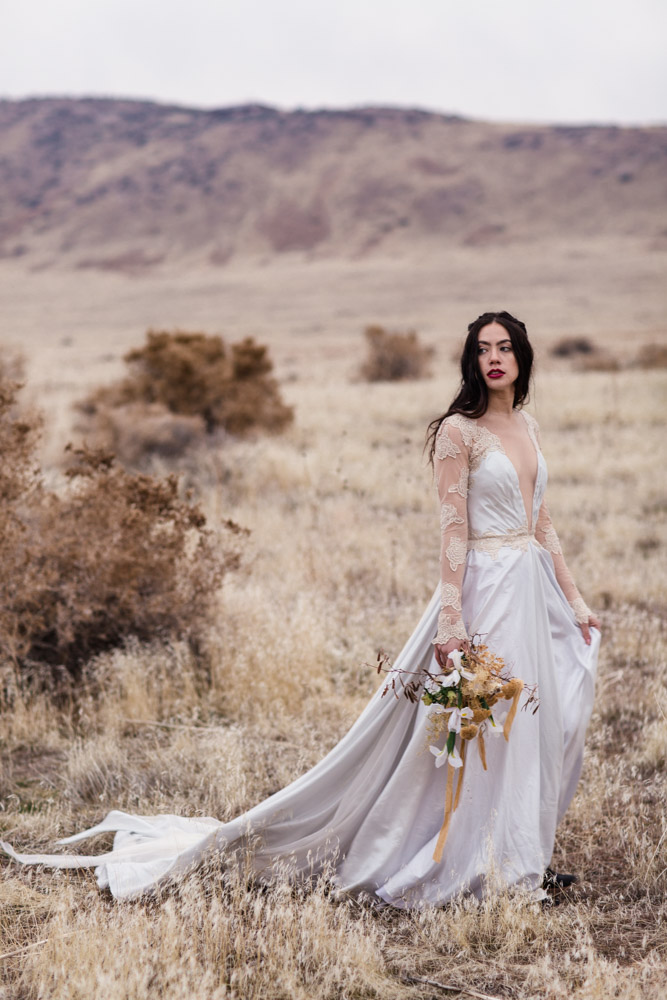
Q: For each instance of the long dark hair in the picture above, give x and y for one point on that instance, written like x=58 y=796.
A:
x=472 y=399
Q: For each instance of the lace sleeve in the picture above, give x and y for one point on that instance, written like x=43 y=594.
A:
x=547 y=537
x=451 y=477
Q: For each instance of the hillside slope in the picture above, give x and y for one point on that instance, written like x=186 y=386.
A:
x=123 y=185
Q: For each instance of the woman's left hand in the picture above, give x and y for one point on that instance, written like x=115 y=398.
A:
x=586 y=627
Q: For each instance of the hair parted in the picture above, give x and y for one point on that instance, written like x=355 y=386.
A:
x=472 y=398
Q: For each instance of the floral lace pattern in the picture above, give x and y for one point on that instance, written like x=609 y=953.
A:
x=533 y=429
x=581 y=610
x=492 y=544
x=444 y=446
x=450 y=597
x=478 y=440
x=449 y=627
x=449 y=515
x=456 y=552
x=461 y=445
x=461 y=485
x=551 y=541
x=451 y=466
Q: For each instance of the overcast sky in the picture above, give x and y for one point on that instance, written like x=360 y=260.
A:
x=510 y=60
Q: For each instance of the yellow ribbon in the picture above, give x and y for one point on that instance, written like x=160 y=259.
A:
x=449 y=807
x=482 y=749
x=451 y=803
x=518 y=686
x=444 y=829
x=461 y=770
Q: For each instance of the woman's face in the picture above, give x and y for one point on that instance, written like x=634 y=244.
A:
x=497 y=363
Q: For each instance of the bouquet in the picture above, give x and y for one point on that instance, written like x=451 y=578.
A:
x=460 y=703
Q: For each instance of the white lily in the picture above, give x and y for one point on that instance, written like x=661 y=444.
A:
x=496 y=724
x=450 y=680
x=442 y=757
x=456 y=656
x=456 y=718
x=436 y=709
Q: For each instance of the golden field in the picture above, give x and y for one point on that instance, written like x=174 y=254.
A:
x=341 y=559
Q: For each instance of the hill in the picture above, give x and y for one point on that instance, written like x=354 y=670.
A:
x=125 y=185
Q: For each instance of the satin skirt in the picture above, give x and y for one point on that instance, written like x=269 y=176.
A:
x=373 y=807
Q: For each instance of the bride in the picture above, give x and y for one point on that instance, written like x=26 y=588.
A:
x=373 y=807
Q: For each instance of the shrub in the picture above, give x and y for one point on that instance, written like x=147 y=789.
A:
x=116 y=555
x=137 y=432
x=652 y=356
x=392 y=356
x=180 y=377
x=586 y=355
x=569 y=347
x=599 y=361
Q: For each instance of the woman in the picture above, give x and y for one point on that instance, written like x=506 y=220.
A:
x=374 y=806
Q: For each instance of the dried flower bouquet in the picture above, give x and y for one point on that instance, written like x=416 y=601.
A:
x=460 y=702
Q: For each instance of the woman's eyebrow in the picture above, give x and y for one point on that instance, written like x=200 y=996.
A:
x=486 y=342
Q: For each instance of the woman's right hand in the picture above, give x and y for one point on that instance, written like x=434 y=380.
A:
x=442 y=651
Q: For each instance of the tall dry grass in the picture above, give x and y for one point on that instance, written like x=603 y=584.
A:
x=342 y=556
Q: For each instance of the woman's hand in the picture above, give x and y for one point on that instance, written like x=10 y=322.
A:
x=586 y=627
x=442 y=651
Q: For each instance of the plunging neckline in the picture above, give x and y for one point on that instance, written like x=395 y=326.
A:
x=501 y=449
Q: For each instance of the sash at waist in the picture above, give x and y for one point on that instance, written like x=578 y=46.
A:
x=519 y=538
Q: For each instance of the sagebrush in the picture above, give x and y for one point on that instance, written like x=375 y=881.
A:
x=181 y=387
x=394 y=356
x=112 y=555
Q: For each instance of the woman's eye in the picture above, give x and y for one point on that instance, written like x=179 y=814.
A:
x=506 y=348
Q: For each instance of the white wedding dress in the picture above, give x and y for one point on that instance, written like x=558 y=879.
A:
x=374 y=805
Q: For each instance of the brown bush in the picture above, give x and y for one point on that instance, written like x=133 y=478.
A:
x=12 y=367
x=115 y=556
x=569 y=347
x=586 y=355
x=393 y=356
x=18 y=438
x=136 y=432
x=599 y=361
x=652 y=356
x=191 y=376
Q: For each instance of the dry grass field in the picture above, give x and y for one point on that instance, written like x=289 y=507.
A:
x=300 y=230
x=341 y=559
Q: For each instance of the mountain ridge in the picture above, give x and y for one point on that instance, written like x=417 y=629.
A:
x=121 y=184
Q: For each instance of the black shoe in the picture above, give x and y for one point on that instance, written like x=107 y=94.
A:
x=557 y=880
x=550 y=902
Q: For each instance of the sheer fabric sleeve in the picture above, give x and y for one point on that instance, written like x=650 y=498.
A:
x=546 y=535
x=451 y=468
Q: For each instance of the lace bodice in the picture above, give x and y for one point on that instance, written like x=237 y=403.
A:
x=482 y=508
